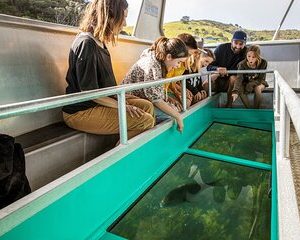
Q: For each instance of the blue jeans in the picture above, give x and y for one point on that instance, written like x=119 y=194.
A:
x=160 y=116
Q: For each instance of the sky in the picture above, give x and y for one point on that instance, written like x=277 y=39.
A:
x=253 y=14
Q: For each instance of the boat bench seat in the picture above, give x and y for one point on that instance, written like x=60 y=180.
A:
x=54 y=150
x=44 y=136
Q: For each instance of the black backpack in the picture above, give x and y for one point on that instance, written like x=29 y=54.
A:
x=13 y=181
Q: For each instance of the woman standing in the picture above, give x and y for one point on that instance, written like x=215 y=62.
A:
x=90 y=68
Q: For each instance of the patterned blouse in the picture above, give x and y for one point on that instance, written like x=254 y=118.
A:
x=146 y=69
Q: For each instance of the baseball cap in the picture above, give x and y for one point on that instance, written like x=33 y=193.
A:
x=240 y=35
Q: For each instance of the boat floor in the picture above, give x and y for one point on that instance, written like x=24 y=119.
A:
x=295 y=161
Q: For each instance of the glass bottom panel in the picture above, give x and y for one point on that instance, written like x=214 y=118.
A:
x=237 y=141
x=200 y=198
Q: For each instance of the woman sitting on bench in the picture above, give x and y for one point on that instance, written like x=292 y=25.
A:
x=90 y=68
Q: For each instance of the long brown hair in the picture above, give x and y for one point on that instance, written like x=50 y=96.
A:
x=256 y=50
x=164 y=46
x=173 y=46
x=104 y=19
x=188 y=39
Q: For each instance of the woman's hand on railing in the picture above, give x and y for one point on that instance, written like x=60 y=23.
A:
x=134 y=111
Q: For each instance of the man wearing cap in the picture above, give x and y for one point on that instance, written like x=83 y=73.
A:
x=228 y=55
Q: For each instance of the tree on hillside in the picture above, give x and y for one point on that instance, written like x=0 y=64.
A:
x=185 y=19
x=57 y=11
x=70 y=14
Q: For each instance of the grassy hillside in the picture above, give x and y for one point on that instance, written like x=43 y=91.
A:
x=213 y=31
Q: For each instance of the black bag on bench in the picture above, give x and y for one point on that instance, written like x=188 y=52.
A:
x=13 y=181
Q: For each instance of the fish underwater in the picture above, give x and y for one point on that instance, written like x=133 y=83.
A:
x=183 y=193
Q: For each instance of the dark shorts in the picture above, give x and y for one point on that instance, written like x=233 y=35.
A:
x=221 y=84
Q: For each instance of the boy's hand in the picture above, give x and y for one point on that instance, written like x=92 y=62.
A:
x=234 y=96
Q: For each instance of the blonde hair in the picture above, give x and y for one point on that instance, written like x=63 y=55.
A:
x=193 y=60
x=104 y=19
x=256 y=50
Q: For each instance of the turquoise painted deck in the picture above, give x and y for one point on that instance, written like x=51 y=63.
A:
x=86 y=211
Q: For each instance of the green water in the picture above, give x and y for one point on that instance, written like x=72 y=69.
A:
x=236 y=141
x=232 y=204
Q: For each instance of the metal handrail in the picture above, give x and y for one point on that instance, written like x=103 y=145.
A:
x=292 y=101
x=287 y=106
x=16 y=109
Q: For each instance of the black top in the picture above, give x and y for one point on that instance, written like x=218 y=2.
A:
x=225 y=57
x=89 y=68
x=193 y=84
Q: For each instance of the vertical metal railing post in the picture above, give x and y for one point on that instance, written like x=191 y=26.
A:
x=275 y=94
x=278 y=100
x=209 y=85
x=183 y=94
x=122 y=117
x=282 y=127
x=287 y=133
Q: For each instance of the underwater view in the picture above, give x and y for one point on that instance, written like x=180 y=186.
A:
x=200 y=198
x=237 y=141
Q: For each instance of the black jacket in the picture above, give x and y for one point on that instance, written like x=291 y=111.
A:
x=225 y=57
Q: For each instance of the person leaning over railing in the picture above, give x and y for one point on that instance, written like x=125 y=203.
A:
x=192 y=65
x=173 y=90
x=247 y=83
x=154 y=63
x=197 y=62
x=90 y=68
